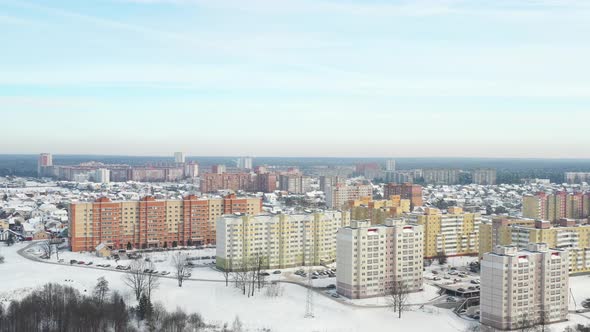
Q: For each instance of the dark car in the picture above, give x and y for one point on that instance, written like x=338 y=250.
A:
x=264 y=274
x=73 y=261
x=277 y=272
x=331 y=286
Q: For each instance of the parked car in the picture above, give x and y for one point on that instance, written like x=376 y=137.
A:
x=461 y=289
x=81 y=262
x=264 y=274
x=73 y=261
x=331 y=286
x=165 y=273
x=89 y=263
x=335 y=295
x=277 y=272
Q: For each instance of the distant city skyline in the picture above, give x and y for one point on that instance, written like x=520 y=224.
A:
x=325 y=78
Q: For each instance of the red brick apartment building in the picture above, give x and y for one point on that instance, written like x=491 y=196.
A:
x=413 y=192
x=150 y=222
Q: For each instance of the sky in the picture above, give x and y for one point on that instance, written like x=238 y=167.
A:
x=350 y=78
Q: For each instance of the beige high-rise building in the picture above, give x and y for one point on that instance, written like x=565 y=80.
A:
x=498 y=232
x=484 y=176
x=523 y=288
x=380 y=209
x=282 y=240
x=566 y=235
x=556 y=206
x=149 y=223
x=441 y=176
x=372 y=260
x=455 y=233
x=340 y=195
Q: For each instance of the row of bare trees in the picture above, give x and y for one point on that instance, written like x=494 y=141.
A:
x=247 y=274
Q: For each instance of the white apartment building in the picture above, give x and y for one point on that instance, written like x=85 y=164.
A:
x=390 y=165
x=244 y=163
x=294 y=183
x=341 y=194
x=372 y=260
x=283 y=240
x=102 y=175
x=179 y=157
x=524 y=287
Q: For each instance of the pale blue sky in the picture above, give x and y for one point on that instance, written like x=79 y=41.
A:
x=471 y=78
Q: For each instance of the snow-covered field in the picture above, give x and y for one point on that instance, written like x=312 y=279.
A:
x=219 y=304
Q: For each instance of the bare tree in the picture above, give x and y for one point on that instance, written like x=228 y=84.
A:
x=181 y=267
x=101 y=290
x=240 y=275
x=399 y=296
x=544 y=320
x=237 y=325
x=227 y=269
x=441 y=258
x=274 y=290
x=527 y=323
x=152 y=282
x=46 y=248
x=135 y=278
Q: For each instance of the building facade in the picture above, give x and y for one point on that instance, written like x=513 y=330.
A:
x=179 y=157
x=340 y=195
x=244 y=163
x=455 y=233
x=376 y=211
x=151 y=223
x=497 y=232
x=294 y=183
x=577 y=177
x=282 y=240
x=212 y=182
x=566 y=235
x=522 y=288
x=484 y=176
x=375 y=260
x=441 y=176
x=102 y=175
x=44 y=164
x=390 y=165
x=412 y=192
x=556 y=206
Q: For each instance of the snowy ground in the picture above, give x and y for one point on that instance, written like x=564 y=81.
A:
x=218 y=303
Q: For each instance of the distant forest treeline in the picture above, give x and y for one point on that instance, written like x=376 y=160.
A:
x=509 y=170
